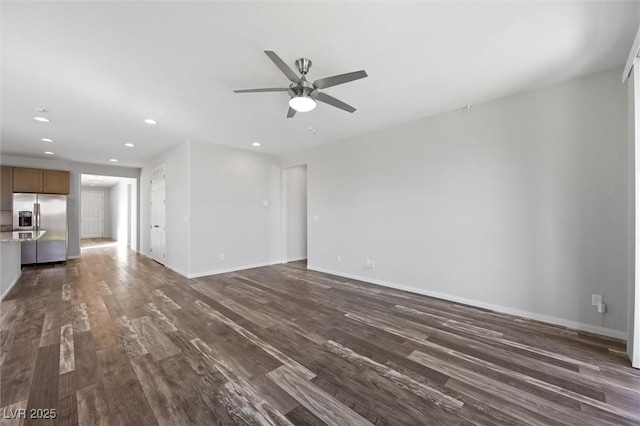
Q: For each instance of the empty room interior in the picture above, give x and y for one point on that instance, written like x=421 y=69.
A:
x=320 y=213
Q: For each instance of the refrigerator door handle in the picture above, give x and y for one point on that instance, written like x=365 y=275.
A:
x=37 y=216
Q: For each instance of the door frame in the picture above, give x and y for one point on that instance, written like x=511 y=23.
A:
x=285 y=219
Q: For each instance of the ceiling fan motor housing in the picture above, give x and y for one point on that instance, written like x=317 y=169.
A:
x=302 y=88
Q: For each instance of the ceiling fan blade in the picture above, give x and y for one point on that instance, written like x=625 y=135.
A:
x=291 y=112
x=274 y=89
x=323 y=83
x=323 y=97
x=291 y=74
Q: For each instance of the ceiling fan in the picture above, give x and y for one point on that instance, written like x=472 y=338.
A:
x=303 y=93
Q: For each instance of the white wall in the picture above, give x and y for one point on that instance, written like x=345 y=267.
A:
x=295 y=186
x=10 y=269
x=177 y=206
x=520 y=205
x=227 y=190
x=106 y=230
x=119 y=212
x=73 y=200
x=214 y=206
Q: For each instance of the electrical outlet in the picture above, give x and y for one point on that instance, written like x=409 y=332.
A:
x=222 y=256
x=373 y=264
x=339 y=258
x=595 y=299
x=368 y=263
x=602 y=308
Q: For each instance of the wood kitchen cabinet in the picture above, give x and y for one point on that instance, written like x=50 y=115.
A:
x=27 y=180
x=40 y=181
x=55 y=182
x=6 y=188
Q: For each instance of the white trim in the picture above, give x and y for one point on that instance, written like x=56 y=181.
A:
x=188 y=216
x=162 y=170
x=11 y=286
x=171 y=268
x=73 y=257
x=233 y=269
x=633 y=314
x=295 y=259
x=498 y=308
x=633 y=54
x=284 y=222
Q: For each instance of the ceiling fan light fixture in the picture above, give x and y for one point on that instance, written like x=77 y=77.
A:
x=302 y=103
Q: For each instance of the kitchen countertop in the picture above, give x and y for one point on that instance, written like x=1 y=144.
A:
x=19 y=236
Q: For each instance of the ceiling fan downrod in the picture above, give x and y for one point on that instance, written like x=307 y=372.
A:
x=303 y=65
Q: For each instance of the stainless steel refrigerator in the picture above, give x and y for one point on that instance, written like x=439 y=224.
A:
x=42 y=212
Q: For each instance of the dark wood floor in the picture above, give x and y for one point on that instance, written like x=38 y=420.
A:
x=114 y=338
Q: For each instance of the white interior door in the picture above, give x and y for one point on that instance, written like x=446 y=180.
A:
x=92 y=214
x=158 y=225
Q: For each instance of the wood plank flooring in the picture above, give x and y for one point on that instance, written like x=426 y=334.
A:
x=97 y=242
x=114 y=338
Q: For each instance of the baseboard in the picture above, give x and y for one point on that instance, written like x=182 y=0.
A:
x=11 y=286
x=234 y=269
x=73 y=257
x=295 y=259
x=176 y=270
x=215 y=271
x=498 y=308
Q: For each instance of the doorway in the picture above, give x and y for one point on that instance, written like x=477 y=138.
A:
x=92 y=214
x=108 y=212
x=157 y=246
x=295 y=214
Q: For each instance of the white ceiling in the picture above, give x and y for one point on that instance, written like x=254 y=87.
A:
x=100 y=68
x=100 y=181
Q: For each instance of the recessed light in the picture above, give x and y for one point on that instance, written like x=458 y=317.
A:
x=113 y=160
x=48 y=152
x=256 y=144
x=46 y=140
x=43 y=119
x=130 y=145
x=150 y=121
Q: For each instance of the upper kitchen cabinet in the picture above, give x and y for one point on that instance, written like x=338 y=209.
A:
x=55 y=182
x=6 y=188
x=40 y=181
x=27 y=180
